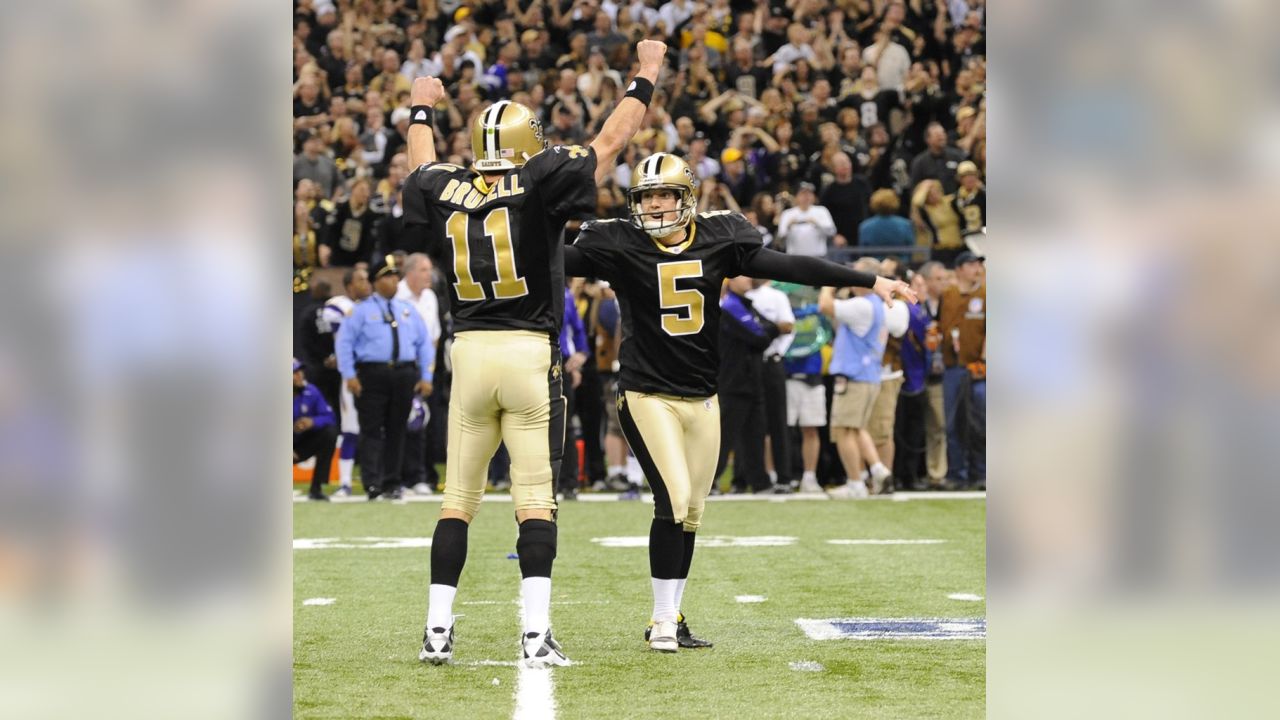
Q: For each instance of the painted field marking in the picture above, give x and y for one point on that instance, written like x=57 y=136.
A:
x=319 y=601
x=711 y=541
x=807 y=666
x=967 y=597
x=361 y=543
x=875 y=541
x=864 y=628
x=750 y=598
x=490 y=663
x=535 y=693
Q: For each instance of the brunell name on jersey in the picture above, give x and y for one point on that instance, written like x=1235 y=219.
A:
x=669 y=297
x=501 y=245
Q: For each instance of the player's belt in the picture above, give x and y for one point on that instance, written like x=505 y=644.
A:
x=371 y=365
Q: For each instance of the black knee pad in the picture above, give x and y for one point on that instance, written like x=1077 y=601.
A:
x=536 y=547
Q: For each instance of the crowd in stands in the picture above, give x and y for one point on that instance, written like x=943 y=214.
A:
x=847 y=129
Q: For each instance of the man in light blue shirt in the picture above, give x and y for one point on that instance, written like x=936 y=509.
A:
x=385 y=355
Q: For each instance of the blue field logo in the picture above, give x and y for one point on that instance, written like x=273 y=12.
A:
x=894 y=628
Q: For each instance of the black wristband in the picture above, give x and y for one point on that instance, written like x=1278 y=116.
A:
x=641 y=90
x=422 y=115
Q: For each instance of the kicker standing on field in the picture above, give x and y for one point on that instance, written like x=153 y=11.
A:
x=500 y=229
x=385 y=356
x=667 y=267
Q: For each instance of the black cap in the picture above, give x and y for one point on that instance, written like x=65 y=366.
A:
x=387 y=266
x=968 y=257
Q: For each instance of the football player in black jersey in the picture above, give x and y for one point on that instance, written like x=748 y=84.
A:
x=497 y=229
x=667 y=265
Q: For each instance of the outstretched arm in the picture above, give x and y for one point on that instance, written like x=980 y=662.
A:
x=625 y=119
x=766 y=263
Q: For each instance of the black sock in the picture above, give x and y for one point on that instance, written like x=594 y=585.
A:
x=666 y=549
x=689 y=537
x=448 y=551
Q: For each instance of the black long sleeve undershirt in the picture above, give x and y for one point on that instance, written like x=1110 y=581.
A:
x=764 y=263
x=773 y=265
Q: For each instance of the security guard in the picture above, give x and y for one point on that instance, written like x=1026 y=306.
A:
x=385 y=355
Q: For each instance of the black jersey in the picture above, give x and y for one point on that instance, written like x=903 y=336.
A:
x=670 y=297
x=502 y=247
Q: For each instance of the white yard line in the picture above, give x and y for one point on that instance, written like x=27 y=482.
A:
x=750 y=598
x=967 y=597
x=807 y=666
x=535 y=693
x=890 y=541
x=318 y=601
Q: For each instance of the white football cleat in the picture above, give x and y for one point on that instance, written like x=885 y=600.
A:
x=437 y=646
x=663 y=637
x=540 y=650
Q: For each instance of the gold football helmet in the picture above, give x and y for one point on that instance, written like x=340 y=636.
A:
x=505 y=135
x=668 y=172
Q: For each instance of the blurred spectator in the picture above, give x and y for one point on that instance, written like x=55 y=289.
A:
x=390 y=82
x=937 y=224
x=874 y=103
x=936 y=280
x=314 y=432
x=350 y=230
x=913 y=403
x=890 y=60
x=356 y=287
x=774 y=306
x=736 y=176
x=417 y=64
x=807 y=403
x=375 y=139
x=308 y=105
x=963 y=324
x=938 y=161
x=744 y=336
x=314 y=164
x=863 y=325
x=742 y=73
x=806 y=228
x=603 y=37
x=846 y=199
x=886 y=227
x=673 y=14
x=797 y=48
x=573 y=354
x=970 y=200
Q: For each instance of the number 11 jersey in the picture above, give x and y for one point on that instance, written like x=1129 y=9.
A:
x=502 y=246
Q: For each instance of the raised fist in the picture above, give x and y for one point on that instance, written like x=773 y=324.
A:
x=426 y=91
x=650 y=53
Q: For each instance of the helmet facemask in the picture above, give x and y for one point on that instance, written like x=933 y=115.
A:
x=652 y=221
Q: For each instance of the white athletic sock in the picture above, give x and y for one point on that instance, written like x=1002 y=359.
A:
x=634 y=473
x=345 y=467
x=440 y=606
x=863 y=477
x=773 y=477
x=680 y=594
x=879 y=471
x=617 y=470
x=536 y=593
x=809 y=475
x=664 y=600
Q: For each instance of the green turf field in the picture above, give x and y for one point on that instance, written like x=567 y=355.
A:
x=357 y=657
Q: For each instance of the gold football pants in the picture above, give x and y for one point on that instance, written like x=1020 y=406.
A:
x=677 y=441
x=506 y=388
